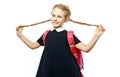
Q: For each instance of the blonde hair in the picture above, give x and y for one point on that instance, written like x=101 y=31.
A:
x=65 y=8
x=67 y=11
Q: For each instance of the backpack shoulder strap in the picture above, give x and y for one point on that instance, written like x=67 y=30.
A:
x=71 y=43
x=44 y=36
x=76 y=52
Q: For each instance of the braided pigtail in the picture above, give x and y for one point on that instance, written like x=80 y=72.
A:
x=37 y=23
x=82 y=23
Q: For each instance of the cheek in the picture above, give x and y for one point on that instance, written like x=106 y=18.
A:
x=62 y=20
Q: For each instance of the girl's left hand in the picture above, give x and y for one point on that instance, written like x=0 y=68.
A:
x=100 y=30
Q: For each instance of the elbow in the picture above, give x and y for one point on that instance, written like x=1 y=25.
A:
x=86 y=50
x=33 y=46
x=83 y=47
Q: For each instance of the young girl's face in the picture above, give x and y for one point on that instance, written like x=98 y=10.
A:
x=58 y=17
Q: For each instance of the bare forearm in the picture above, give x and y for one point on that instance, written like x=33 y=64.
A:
x=86 y=48
x=92 y=43
x=29 y=43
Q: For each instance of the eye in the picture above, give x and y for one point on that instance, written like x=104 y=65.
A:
x=53 y=15
x=59 y=16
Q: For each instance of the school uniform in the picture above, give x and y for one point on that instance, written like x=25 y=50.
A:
x=57 y=59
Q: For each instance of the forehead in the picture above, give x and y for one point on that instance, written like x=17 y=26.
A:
x=58 y=11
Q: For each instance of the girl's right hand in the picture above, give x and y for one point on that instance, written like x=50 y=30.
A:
x=19 y=28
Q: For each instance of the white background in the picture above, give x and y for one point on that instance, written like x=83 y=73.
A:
x=17 y=60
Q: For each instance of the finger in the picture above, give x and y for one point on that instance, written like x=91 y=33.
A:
x=19 y=27
x=20 y=30
x=102 y=28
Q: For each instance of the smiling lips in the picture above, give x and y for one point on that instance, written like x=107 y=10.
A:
x=54 y=22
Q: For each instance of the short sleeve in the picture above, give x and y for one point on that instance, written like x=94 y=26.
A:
x=76 y=39
x=40 y=41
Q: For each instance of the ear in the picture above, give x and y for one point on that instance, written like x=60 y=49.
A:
x=67 y=19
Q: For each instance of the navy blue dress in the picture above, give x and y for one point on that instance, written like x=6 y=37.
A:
x=57 y=59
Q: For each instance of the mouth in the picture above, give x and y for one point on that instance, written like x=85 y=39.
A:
x=55 y=23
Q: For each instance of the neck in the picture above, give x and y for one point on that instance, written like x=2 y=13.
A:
x=58 y=29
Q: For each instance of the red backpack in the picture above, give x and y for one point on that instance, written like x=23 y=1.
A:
x=75 y=51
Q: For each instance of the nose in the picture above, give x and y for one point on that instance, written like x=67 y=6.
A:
x=55 y=18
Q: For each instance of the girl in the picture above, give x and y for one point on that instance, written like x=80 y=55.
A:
x=57 y=60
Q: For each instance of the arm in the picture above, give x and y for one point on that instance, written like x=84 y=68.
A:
x=30 y=44
x=99 y=31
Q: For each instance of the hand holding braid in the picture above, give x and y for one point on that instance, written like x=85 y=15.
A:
x=20 y=27
x=78 y=22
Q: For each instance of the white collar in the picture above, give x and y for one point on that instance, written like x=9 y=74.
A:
x=58 y=29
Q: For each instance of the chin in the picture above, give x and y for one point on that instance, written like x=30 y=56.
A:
x=56 y=26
